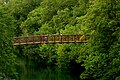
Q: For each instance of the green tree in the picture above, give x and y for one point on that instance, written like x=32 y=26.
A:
x=44 y=15
x=8 y=61
x=103 y=51
x=19 y=9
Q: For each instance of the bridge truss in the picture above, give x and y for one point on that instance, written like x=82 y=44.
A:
x=51 y=39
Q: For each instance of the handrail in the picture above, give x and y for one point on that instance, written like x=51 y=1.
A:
x=54 y=38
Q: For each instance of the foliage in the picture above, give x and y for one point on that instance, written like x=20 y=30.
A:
x=51 y=14
x=7 y=58
x=99 y=18
x=19 y=9
x=103 y=48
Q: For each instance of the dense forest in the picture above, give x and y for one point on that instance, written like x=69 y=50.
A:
x=98 y=59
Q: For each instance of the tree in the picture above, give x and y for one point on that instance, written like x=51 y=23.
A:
x=8 y=61
x=20 y=9
x=101 y=63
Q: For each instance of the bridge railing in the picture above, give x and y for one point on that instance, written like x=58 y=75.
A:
x=54 y=38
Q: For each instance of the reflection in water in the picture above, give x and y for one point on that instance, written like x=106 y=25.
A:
x=48 y=74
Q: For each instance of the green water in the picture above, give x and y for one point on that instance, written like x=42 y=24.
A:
x=48 y=74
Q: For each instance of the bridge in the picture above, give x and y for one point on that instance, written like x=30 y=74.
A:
x=51 y=39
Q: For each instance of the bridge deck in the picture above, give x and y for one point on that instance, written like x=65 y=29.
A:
x=54 y=38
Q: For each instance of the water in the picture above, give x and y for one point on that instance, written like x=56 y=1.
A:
x=48 y=74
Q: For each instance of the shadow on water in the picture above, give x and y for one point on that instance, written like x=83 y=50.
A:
x=48 y=74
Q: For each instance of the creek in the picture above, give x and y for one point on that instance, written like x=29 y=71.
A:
x=48 y=74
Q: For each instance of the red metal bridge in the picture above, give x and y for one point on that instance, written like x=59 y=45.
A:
x=54 y=38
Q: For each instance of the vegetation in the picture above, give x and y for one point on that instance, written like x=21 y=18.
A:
x=98 y=59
